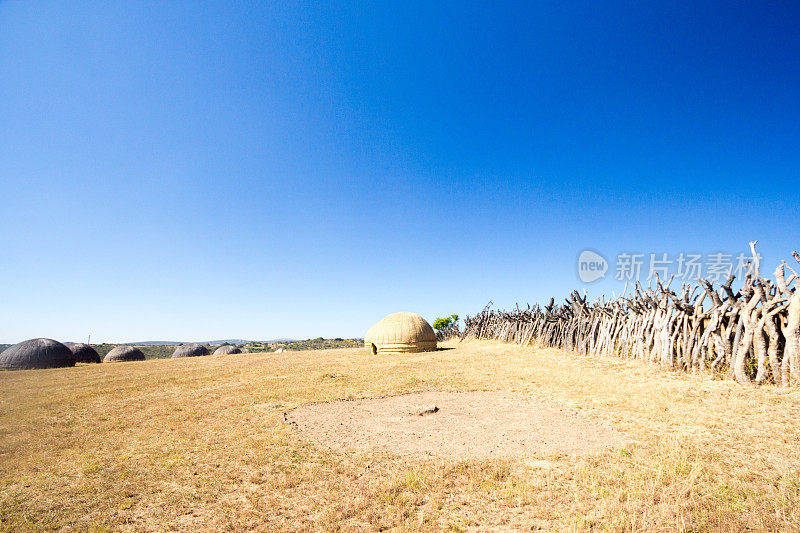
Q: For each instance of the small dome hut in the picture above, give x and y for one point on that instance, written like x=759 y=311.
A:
x=227 y=350
x=190 y=349
x=399 y=333
x=83 y=352
x=36 y=353
x=124 y=353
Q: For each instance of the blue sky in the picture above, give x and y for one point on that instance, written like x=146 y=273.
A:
x=190 y=171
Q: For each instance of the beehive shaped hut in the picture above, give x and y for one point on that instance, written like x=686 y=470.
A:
x=36 y=353
x=83 y=352
x=227 y=350
x=400 y=332
x=124 y=353
x=190 y=349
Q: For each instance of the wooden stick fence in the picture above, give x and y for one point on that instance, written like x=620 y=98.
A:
x=751 y=335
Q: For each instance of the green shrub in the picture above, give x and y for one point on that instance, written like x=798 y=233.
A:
x=443 y=323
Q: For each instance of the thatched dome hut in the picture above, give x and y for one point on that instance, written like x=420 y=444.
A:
x=227 y=350
x=83 y=352
x=190 y=349
x=36 y=353
x=124 y=353
x=400 y=332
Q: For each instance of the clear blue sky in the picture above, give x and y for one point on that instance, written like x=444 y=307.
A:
x=190 y=171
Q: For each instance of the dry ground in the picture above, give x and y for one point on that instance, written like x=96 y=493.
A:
x=201 y=443
x=453 y=425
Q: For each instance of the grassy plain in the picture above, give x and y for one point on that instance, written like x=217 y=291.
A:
x=201 y=444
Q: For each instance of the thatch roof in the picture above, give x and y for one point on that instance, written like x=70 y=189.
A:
x=83 y=352
x=227 y=350
x=401 y=332
x=190 y=349
x=36 y=353
x=124 y=353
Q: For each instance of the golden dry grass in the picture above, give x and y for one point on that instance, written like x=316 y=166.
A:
x=200 y=443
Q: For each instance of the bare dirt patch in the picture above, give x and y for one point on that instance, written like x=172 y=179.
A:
x=453 y=424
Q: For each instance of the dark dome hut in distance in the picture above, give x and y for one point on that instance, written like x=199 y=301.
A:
x=227 y=350
x=190 y=349
x=124 y=353
x=83 y=352
x=36 y=353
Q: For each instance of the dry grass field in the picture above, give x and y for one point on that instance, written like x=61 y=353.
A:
x=201 y=444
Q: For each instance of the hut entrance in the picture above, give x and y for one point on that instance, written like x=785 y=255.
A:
x=373 y=349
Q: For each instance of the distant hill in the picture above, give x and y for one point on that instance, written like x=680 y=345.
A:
x=216 y=342
x=229 y=341
x=313 y=344
x=151 y=343
x=164 y=348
